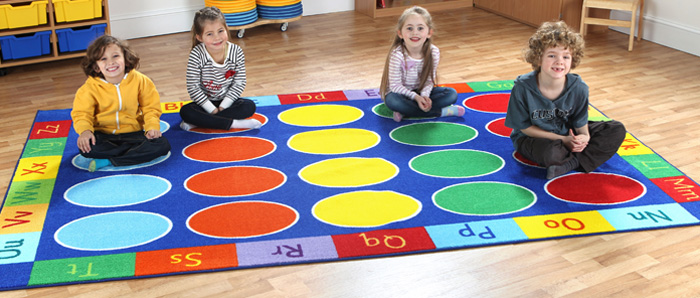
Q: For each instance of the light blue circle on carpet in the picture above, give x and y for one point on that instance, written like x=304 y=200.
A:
x=114 y=230
x=82 y=163
x=164 y=126
x=117 y=191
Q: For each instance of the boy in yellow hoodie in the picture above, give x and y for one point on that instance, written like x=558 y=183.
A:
x=117 y=111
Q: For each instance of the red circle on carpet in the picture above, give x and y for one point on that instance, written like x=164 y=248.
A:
x=595 y=188
x=229 y=149
x=257 y=116
x=498 y=127
x=490 y=103
x=520 y=158
x=235 y=181
x=243 y=219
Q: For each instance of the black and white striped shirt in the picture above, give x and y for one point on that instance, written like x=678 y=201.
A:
x=208 y=81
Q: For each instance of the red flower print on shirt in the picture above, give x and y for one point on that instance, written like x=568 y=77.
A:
x=230 y=73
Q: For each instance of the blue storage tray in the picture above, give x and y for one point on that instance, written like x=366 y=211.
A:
x=72 y=39
x=14 y=47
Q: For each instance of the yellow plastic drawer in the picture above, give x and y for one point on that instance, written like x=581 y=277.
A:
x=33 y=14
x=75 y=10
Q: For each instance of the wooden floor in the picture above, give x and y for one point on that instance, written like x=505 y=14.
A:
x=653 y=90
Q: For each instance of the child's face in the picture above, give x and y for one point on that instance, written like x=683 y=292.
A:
x=111 y=64
x=414 y=31
x=214 y=36
x=556 y=62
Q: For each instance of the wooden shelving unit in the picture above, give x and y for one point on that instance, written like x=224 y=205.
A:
x=535 y=12
x=396 y=7
x=52 y=26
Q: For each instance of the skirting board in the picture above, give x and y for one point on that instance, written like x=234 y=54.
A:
x=664 y=32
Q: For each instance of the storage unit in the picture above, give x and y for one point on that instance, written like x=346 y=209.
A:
x=396 y=7
x=71 y=25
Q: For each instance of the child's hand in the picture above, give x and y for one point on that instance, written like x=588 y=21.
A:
x=424 y=103
x=578 y=142
x=219 y=109
x=153 y=134
x=85 y=140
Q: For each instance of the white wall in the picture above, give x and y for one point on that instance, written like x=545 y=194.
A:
x=138 y=18
x=673 y=23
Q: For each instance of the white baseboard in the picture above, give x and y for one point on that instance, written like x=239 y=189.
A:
x=665 y=32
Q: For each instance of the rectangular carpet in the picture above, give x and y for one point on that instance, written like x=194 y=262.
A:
x=330 y=176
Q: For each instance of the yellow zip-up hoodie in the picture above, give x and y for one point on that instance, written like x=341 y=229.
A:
x=132 y=105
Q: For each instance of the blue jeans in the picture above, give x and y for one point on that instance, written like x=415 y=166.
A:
x=441 y=97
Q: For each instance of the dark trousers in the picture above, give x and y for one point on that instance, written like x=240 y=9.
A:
x=606 y=138
x=193 y=114
x=127 y=148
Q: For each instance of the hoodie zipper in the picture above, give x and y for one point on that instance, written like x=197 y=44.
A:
x=119 y=95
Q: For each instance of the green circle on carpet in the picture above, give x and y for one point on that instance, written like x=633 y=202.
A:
x=433 y=134
x=457 y=163
x=484 y=198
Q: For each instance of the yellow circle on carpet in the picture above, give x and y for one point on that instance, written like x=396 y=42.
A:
x=349 y=172
x=321 y=115
x=366 y=208
x=334 y=141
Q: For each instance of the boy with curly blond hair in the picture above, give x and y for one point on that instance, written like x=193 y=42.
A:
x=548 y=107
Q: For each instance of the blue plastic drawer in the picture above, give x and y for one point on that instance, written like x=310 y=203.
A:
x=21 y=46
x=78 y=39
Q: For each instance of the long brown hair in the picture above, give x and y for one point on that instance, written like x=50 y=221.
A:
x=428 y=62
x=201 y=17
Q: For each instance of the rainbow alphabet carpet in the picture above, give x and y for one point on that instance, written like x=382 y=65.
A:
x=330 y=176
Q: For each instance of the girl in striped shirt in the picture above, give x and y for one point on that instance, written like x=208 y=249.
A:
x=216 y=77
x=410 y=74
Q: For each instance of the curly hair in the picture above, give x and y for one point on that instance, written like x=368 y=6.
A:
x=553 y=34
x=97 y=49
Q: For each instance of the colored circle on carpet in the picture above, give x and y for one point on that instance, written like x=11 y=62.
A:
x=521 y=159
x=595 y=188
x=113 y=230
x=202 y=130
x=382 y=110
x=229 y=149
x=499 y=128
x=83 y=163
x=484 y=198
x=244 y=219
x=235 y=181
x=164 y=126
x=433 y=134
x=457 y=163
x=349 y=172
x=321 y=115
x=334 y=141
x=363 y=209
x=117 y=191
x=489 y=103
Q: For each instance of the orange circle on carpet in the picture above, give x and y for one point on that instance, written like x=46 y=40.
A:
x=242 y=219
x=490 y=103
x=235 y=181
x=228 y=149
